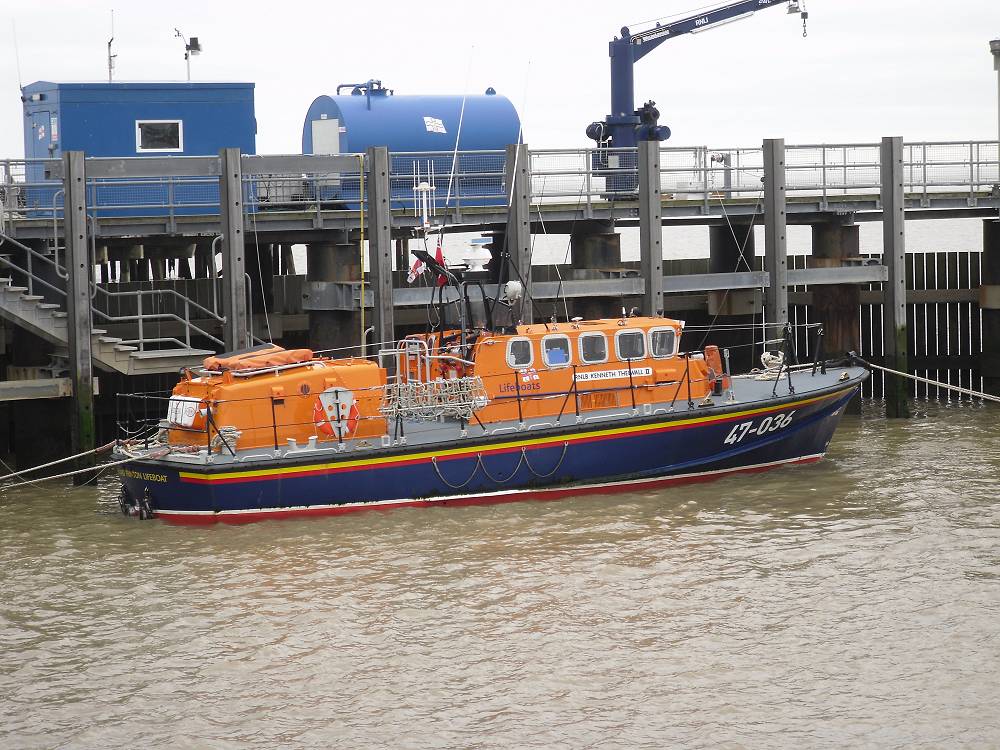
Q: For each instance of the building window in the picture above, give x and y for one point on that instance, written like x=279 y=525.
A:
x=555 y=351
x=662 y=342
x=593 y=348
x=630 y=345
x=519 y=353
x=159 y=136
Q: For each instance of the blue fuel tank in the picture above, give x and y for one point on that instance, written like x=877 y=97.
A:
x=371 y=115
x=421 y=133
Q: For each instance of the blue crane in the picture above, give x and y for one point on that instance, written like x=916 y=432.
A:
x=626 y=126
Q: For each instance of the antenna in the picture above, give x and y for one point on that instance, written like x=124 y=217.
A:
x=111 y=58
x=191 y=47
x=17 y=53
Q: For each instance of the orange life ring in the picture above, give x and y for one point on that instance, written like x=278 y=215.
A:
x=319 y=418
x=325 y=425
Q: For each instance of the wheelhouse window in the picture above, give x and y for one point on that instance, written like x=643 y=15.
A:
x=159 y=136
x=519 y=353
x=556 y=350
x=593 y=348
x=630 y=345
x=662 y=342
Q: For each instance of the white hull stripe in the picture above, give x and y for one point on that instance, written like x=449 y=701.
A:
x=485 y=496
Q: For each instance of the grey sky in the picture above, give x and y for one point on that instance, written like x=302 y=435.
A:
x=868 y=69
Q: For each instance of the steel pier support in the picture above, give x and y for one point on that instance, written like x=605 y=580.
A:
x=894 y=332
x=837 y=306
x=334 y=266
x=233 y=257
x=731 y=250
x=380 y=242
x=518 y=235
x=595 y=246
x=989 y=307
x=79 y=328
x=651 y=227
x=775 y=231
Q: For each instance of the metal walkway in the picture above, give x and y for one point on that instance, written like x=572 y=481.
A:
x=291 y=197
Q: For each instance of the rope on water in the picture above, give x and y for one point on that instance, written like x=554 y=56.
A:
x=21 y=473
x=90 y=469
x=928 y=381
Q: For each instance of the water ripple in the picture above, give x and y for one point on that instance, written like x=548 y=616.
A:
x=850 y=603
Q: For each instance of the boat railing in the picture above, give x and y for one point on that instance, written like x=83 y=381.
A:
x=141 y=416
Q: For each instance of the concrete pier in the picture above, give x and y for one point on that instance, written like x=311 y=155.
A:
x=775 y=233
x=380 y=245
x=233 y=251
x=894 y=333
x=79 y=325
x=317 y=206
x=651 y=227
x=518 y=182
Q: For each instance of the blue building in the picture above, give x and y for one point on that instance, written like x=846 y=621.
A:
x=138 y=119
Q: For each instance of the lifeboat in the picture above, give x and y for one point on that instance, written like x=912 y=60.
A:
x=479 y=409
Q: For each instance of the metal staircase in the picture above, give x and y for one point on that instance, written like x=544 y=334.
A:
x=134 y=356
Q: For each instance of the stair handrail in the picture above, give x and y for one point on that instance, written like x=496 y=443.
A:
x=189 y=326
x=63 y=274
x=32 y=278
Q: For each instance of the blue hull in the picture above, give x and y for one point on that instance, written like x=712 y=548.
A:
x=662 y=449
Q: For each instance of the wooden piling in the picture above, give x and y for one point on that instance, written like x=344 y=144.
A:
x=989 y=306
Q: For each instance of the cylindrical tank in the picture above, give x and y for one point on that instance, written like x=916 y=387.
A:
x=422 y=134
x=371 y=115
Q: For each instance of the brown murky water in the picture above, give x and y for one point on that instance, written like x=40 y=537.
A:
x=853 y=603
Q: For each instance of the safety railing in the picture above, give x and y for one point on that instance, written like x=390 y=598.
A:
x=144 y=416
x=310 y=192
x=447 y=180
x=454 y=181
x=103 y=300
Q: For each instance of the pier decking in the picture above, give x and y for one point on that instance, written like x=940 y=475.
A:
x=187 y=253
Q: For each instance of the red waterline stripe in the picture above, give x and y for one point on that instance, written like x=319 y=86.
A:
x=555 y=442
x=206 y=519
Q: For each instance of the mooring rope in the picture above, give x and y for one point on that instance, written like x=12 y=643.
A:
x=95 y=451
x=90 y=469
x=928 y=381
